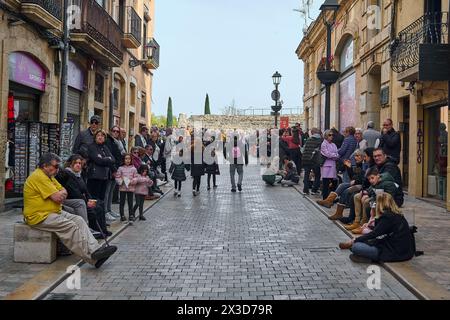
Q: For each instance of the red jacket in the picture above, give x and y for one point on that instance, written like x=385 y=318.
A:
x=290 y=142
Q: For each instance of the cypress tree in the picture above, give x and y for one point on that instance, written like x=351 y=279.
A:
x=169 y=114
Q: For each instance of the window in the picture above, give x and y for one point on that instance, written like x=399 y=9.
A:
x=144 y=55
x=346 y=59
x=101 y=3
x=143 y=106
x=99 y=85
x=116 y=99
x=132 y=95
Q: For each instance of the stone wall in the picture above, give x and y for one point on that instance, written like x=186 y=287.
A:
x=240 y=122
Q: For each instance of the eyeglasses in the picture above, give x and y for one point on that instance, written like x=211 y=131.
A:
x=94 y=122
x=116 y=131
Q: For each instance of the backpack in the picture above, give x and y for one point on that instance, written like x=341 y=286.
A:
x=413 y=230
x=318 y=157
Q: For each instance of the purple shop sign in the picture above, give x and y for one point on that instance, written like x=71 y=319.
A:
x=25 y=70
x=75 y=76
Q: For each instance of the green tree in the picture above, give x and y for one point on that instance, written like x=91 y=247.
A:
x=207 y=109
x=169 y=114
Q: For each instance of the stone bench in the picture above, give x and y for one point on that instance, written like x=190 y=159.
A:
x=32 y=245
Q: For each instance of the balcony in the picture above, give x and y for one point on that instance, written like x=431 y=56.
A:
x=47 y=13
x=132 y=29
x=431 y=29
x=98 y=34
x=153 y=61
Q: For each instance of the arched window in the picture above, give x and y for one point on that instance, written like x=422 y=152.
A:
x=346 y=58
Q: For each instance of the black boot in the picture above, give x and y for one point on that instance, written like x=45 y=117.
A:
x=142 y=218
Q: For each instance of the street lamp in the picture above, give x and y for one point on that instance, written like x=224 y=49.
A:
x=276 y=96
x=327 y=76
x=150 y=48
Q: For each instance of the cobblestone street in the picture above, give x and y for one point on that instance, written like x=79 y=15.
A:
x=263 y=243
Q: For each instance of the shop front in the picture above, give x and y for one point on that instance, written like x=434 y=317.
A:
x=436 y=144
x=27 y=83
x=76 y=85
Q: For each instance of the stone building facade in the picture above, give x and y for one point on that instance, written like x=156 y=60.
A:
x=105 y=37
x=375 y=46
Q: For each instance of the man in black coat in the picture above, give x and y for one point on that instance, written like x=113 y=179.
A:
x=338 y=138
x=86 y=137
x=311 y=154
x=390 y=141
x=386 y=165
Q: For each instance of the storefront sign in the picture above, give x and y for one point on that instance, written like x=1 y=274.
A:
x=284 y=122
x=75 y=76
x=25 y=70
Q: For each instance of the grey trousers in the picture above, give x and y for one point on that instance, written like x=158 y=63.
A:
x=73 y=232
x=76 y=207
x=110 y=185
x=240 y=170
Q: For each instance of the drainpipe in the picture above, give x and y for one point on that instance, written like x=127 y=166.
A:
x=65 y=61
x=111 y=101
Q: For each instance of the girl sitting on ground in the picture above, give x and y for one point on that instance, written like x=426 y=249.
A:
x=390 y=241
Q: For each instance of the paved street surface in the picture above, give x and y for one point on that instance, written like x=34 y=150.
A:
x=265 y=243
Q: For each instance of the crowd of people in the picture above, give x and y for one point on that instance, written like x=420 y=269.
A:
x=357 y=171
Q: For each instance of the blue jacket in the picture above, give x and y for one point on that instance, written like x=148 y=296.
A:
x=347 y=148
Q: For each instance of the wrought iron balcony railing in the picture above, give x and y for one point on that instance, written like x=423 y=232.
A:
x=432 y=28
x=100 y=26
x=54 y=7
x=132 y=28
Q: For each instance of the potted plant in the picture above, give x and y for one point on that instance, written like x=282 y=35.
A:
x=325 y=75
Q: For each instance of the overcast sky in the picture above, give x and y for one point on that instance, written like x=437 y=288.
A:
x=228 y=49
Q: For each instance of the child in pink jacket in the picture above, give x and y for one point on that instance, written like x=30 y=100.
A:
x=126 y=178
x=141 y=190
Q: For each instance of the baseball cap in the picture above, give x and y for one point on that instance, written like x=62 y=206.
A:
x=95 y=118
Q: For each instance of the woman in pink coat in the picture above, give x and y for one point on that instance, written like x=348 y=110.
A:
x=328 y=170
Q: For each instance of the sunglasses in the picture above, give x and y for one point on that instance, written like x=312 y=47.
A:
x=94 y=122
x=116 y=131
x=331 y=135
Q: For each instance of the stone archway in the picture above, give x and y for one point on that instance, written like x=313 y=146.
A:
x=373 y=94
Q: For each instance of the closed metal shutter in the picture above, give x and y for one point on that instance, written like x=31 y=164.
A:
x=73 y=101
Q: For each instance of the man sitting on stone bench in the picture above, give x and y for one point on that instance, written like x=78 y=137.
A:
x=43 y=198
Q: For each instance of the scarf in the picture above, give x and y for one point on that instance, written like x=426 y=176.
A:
x=78 y=175
x=236 y=152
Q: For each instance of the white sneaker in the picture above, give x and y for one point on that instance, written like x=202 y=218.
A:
x=179 y=194
x=115 y=214
x=109 y=217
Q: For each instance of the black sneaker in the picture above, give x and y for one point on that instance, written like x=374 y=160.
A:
x=142 y=218
x=209 y=188
x=359 y=259
x=122 y=218
x=215 y=187
x=104 y=252
x=233 y=190
x=131 y=218
x=239 y=187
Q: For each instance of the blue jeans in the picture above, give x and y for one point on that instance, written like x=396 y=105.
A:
x=364 y=250
x=342 y=187
x=346 y=177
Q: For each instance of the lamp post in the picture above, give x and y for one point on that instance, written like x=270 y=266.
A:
x=328 y=77
x=150 y=48
x=276 y=96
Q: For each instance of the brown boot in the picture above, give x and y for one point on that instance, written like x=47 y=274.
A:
x=352 y=226
x=345 y=245
x=339 y=212
x=328 y=202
